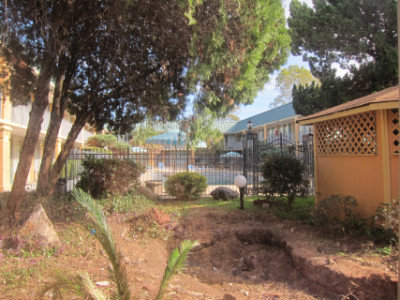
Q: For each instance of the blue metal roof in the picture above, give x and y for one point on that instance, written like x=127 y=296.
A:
x=269 y=116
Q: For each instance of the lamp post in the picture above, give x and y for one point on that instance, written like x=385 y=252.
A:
x=250 y=157
x=249 y=125
x=240 y=181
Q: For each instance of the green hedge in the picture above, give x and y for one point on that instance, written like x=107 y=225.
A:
x=108 y=175
x=186 y=185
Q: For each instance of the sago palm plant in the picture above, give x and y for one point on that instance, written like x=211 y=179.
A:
x=80 y=283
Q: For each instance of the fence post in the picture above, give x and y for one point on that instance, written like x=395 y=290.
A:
x=66 y=176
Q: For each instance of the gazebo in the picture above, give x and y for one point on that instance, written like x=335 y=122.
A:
x=356 y=149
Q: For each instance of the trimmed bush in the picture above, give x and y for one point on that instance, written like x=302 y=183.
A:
x=108 y=175
x=102 y=140
x=186 y=185
x=337 y=214
x=283 y=176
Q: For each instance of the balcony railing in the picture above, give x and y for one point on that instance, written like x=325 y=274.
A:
x=20 y=115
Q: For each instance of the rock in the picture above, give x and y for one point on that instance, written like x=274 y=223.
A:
x=228 y=297
x=10 y=243
x=224 y=193
x=39 y=229
x=249 y=262
x=149 y=193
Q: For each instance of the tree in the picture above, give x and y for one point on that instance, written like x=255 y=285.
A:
x=142 y=133
x=116 y=61
x=313 y=98
x=52 y=37
x=199 y=127
x=287 y=78
x=360 y=36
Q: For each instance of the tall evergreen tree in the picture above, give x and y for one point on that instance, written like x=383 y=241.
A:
x=359 y=35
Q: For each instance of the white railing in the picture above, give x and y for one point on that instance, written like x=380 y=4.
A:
x=20 y=115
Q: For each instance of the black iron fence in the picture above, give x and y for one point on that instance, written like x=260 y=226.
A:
x=219 y=167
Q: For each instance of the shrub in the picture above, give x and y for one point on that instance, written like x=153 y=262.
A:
x=337 y=213
x=121 y=146
x=283 y=175
x=102 y=140
x=186 y=185
x=386 y=223
x=108 y=175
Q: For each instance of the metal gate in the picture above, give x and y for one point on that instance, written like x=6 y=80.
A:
x=303 y=152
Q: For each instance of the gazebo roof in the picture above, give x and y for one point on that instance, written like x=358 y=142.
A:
x=387 y=98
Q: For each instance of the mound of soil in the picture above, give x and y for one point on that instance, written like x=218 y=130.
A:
x=242 y=255
x=259 y=249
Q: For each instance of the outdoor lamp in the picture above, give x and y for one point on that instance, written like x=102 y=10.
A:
x=240 y=181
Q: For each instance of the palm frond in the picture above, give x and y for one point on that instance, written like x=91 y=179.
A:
x=79 y=283
x=176 y=263
x=104 y=236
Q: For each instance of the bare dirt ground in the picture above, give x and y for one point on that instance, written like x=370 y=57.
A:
x=242 y=255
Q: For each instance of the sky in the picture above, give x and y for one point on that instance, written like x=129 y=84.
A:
x=269 y=92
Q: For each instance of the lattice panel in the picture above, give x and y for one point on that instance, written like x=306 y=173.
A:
x=354 y=134
x=394 y=137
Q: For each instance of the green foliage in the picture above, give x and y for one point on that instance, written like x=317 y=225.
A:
x=302 y=209
x=102 y=140
x=175 y=263
x=247 y=40
x=311 y=99
x=121 y=146
x=283 y=175
x=125 y=203
x=337 y=214
x=200 y=127
x=287 y=78
x=103 y=234
x=142 y=133
x=341 y=32
x=386 y=222
x=186 y=185
x=108 y=175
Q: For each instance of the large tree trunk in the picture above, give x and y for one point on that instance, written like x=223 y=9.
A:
x=57 y=114
x=66 y=149
x=40 y=102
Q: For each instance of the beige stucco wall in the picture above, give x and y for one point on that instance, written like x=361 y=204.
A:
x=371 y=179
